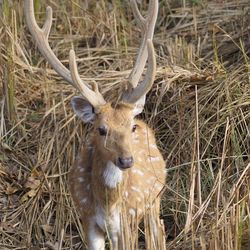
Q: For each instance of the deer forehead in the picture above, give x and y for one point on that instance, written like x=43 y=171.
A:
x=118 y=118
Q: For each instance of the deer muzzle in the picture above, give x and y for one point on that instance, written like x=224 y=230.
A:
x=125 y=162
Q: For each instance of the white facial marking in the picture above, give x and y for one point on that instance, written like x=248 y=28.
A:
x=137 y=171
x=112 y=175
x=131 y=212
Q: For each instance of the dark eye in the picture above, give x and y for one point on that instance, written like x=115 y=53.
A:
x=102 y=131
x=134 y=128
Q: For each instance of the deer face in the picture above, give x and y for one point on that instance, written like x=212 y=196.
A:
x=113 y=129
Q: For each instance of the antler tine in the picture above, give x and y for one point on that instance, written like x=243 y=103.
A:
x=142 y=89
x=41 y=38
x=94 y=97
x=147 y=26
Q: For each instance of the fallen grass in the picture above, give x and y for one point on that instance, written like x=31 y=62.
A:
x=199 y=107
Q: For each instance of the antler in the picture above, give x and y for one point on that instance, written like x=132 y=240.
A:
x=143 y=88
x=41 y=37
x=94 y=97
x=147 y=26
x=136 y=93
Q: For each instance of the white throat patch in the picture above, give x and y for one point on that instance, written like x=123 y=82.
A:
x=112 y=175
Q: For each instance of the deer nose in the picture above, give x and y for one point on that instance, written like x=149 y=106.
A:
x=125 y=162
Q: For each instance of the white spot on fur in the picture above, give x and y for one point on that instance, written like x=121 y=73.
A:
x=145 y=131
x=112 y=175
x=77 y=193
x=81 y=179
x=154 y=146
x=136 y=141
x=140 y=159
x=131 y=212
x=137 y=171
x=158 y=186
x=84 y=200
x=135 y=189
x=154 y=159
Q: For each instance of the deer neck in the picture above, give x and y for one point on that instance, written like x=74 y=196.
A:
x=108 y=182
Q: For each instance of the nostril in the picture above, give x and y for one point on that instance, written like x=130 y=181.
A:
x=125 y=162
x=120 y=160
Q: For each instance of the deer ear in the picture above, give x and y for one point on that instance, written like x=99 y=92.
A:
x=139 y=105
x=83 y=109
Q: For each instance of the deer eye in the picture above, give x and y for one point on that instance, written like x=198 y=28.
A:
x=134 y=128
x=102 y=131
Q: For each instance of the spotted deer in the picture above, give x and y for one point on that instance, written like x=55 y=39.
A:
x=119 y=164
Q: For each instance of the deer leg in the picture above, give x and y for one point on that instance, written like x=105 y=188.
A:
x=116 y=241
x=95 y=236
x=114 y=230
x=155 y=227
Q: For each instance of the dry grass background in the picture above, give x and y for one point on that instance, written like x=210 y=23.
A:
x=199 y=108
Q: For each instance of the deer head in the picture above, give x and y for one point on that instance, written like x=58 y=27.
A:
x=113 y=126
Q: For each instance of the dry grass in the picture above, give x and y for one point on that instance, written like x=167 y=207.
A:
x=199 y=107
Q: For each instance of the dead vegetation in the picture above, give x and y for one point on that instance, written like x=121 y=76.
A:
x=199 y=107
